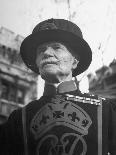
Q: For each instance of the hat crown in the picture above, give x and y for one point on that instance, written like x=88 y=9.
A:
x=61 y=24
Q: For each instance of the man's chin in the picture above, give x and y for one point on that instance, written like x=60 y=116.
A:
x=50 y=78
x=50 y=72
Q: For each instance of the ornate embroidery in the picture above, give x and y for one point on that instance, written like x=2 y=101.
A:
x=61 y=113
x=63 y=146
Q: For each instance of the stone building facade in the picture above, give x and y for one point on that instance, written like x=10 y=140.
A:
x=104 y=82
x=17 y=84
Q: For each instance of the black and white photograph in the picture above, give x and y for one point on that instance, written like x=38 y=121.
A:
x=57 y=77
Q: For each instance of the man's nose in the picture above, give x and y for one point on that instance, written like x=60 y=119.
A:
x=49 y=51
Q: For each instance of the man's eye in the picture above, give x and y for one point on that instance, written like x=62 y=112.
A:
x=42 y=49
x=56 y=47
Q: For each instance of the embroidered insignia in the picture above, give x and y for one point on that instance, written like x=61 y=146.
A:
x=65 y=113
x=62 y=146
x=61 y=113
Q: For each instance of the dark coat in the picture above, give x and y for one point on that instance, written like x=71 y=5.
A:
x=61 y=124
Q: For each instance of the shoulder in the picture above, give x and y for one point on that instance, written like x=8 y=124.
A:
x=32 y=105
x=14 y=117
x=111 y=103
x=37 y=104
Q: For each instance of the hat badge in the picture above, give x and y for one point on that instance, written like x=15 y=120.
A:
x=48 y=26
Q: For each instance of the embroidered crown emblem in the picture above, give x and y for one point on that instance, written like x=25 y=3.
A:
x=63 y=113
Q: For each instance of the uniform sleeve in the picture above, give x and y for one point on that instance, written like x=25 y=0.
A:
x=10 y=134
x=112 y=127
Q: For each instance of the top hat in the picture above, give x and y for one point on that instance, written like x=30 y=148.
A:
x=58 y=30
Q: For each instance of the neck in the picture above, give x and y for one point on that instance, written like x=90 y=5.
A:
x=64 y=87
x=52 y=83
x=56 y=84
x=50 y=88
x=55 y=80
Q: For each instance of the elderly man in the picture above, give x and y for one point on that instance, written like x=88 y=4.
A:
x=63 y=121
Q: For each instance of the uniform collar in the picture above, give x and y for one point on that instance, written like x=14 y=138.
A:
x=64 y=87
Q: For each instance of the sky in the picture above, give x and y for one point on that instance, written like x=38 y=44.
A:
x=96 y=18
x=22 y=15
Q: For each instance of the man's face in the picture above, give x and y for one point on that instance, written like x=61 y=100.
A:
x=54 y=59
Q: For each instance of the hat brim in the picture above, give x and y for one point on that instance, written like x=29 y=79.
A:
x=79 y=46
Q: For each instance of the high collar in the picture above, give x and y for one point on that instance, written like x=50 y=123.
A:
x=64 y=87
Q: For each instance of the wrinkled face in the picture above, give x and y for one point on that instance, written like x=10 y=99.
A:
x=54 y=59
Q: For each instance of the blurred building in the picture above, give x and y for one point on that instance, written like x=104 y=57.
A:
x=113 y=66
x=104 y=82
x=17 y=83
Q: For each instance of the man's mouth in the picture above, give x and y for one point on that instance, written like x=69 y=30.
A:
x=48 y=63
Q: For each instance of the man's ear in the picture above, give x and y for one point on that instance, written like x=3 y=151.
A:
x=75 y=63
